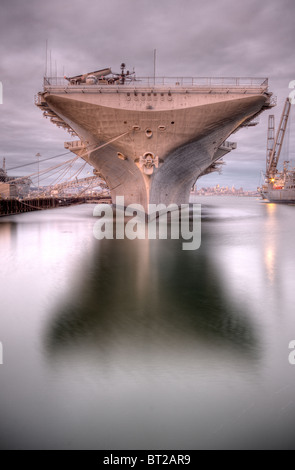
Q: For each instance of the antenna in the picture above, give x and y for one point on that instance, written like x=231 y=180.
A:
x=46 y=57
x=155 y=52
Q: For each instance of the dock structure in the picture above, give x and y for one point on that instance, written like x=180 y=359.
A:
x=16 y=206
x=73 y=191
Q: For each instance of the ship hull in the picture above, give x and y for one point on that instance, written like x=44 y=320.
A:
x=151 y=145
x=283 y=196
x=282 y=189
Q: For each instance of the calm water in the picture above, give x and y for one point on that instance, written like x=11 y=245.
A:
x=120 y=344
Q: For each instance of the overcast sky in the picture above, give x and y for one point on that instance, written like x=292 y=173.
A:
x=192 y=38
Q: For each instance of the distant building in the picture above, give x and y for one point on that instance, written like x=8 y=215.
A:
x=221 y=191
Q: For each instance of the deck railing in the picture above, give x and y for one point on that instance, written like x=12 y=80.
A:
x=168 y=81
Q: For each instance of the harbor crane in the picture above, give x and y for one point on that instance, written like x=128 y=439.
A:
x=274 y=144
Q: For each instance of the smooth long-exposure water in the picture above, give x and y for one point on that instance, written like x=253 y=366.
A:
x=137 y=344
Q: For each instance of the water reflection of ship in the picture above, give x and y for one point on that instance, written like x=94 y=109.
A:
x=277 y=257
x=147 y=295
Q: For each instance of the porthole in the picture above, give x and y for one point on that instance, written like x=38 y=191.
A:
x=148 y=133
x=136 y=128
x=162 y=128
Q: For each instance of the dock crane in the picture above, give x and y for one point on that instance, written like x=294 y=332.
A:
x=274 y=145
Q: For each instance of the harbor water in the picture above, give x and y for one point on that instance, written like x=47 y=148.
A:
x=138 y=344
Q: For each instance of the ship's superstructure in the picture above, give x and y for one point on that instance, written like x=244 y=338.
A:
x=151 y=138
x=279 y=186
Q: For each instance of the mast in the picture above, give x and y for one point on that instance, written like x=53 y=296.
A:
x=155 y=52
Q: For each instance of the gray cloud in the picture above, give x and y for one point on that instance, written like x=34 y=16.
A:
x=192 y=38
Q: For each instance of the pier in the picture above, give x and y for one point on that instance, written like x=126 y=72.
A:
x=18 y=206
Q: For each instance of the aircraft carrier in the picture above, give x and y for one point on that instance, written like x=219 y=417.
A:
x=150 y=138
